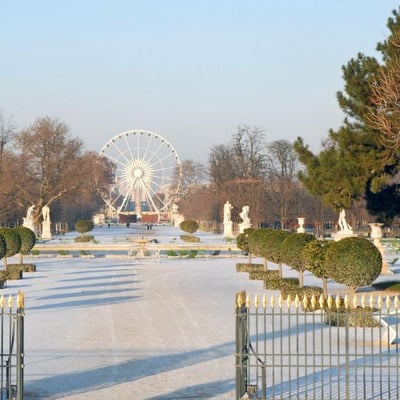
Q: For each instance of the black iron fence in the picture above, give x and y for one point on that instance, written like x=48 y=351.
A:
x=12 y=347
x=335 y=348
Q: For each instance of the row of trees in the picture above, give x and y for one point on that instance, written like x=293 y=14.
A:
x=43 y=165
x=357 y=168
x=352 y=261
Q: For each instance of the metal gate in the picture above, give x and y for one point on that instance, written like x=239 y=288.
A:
x=314 y=349
x=12 y=347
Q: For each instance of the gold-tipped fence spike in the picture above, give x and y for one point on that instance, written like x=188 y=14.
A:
x=380 y=302
x=371 y=301
x=313 y=301
x=355 y=301
x=272 y=301
x=2 y=301
x=265 y=301
x=280 y=302
x=256 y=301
x=20 y=300
x=248 y=301
x=329 y=301
x=10 y=301
x=388 y=302
x=321 y=301
x=289 y=300
x=297 y=301
x=396 y=302
x=363 y=301
x=346 y=301
x=240 y=299
x=305 y=301
x=337 y=301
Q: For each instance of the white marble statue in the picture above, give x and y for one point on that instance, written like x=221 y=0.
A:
x=245 y=218
x=46 y=213
x=228 y=232
x=227 y=212
x=28 y=221
x=343 y=225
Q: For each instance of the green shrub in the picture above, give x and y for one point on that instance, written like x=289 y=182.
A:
x=28 y=240
x=84 y=225
x=362 y=317
x=84 y=239
x=263 y=275
x=276 y=283
x=14 y=272
x=192 y=239
x=189 y=226
x=13 y=243
x=172 y=253
x=242 y=240
x=291 y=252
x=353 y=262
x=192 y=253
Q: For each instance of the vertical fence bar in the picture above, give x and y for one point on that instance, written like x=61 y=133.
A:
x=20 y=347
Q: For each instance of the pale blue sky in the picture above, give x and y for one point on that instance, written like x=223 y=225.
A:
x=190 y=70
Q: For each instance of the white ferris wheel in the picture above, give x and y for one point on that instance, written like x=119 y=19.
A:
x=147 y=172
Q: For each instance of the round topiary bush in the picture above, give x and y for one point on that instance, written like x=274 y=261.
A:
x=189 y=226
x=353 y=262
x=28 y=240
x=83 y=226
x=291 y=252
x=13 y=243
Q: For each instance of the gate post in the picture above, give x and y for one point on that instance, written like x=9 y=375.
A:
x=241 y=345
x=20 y=347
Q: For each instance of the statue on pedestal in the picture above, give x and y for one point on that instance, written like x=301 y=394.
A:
x=28 y=221
x=345 y=230
x=227 y=220
x=245 y=218
x=46 y=226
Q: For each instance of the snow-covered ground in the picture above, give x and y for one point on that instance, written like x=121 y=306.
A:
x=104 y=328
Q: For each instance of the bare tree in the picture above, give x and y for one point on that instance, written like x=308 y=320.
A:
x=53 y=166
x=7 y=129
x=283 y=190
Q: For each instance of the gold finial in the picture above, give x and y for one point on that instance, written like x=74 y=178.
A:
x=2 y=301
x=329 y=301
x=272 y=301
x=363 y=301
x=265 y=301
x=240 y=299
x=10 y=301
x=321 y=301
x=289 y=300
x=20 y=300
x=355 y=301
x=248 y=301
x=371 y=301
x=396 y=302
x=388 y=302
x=346 y=301
x=256 y=300
x=305 y=301
x=280 y=301
x=380 y=302
x=313 y=301
x=337 y=301
x=297 y=301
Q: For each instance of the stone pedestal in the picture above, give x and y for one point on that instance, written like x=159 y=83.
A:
x=228 y=229
x=300 y=221
x=46 y=232
x=376 y=236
